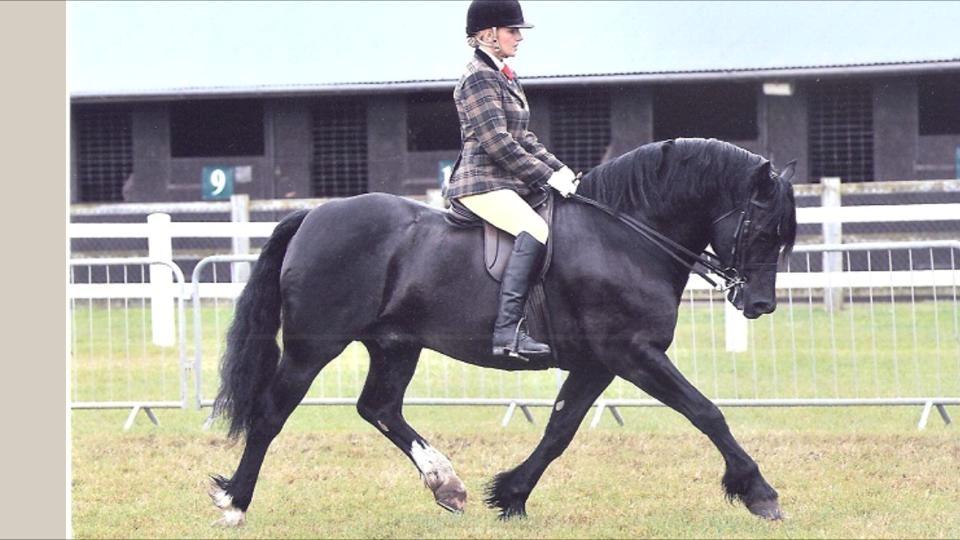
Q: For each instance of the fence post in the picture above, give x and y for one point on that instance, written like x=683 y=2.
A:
x=735 y=325
x=240 y=213
x=160 y=246
x=832 y=234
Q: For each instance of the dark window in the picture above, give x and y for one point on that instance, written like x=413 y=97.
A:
x=216 y=128
x=721 y=111
x=104 y=153
x=939 y=104
x=432 y=122
x=339 y=149
x=840 y=127
x=580 y=128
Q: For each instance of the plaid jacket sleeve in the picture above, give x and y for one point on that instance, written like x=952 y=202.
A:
x=530 y=142
x=483 y=109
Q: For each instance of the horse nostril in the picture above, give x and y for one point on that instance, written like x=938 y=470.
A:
x=758 y=308
x=766 y=307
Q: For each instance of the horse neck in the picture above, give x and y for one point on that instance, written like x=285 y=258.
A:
x=690 y=229
x=686 y=222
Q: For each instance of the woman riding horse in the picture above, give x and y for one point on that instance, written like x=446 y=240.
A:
x=501 y=161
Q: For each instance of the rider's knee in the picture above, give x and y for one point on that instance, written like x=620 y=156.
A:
x=540 y=231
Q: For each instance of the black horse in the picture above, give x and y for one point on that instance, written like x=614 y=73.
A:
x=391 y=273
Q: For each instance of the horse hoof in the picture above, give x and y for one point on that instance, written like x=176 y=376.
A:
x=232 y=516
x=452 y=495
x=513 y=512
x=231 y=519
x=449 y=507
x=768 y=509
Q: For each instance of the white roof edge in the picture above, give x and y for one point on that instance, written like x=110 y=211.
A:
x=893 y=68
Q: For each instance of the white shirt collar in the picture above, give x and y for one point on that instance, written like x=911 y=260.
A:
x=498 y=62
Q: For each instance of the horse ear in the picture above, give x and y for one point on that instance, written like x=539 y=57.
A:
x=788 y=171
x=664 y=148
x=762 y=179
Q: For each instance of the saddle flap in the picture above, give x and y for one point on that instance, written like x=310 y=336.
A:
x=498 y=245
x=497 y=248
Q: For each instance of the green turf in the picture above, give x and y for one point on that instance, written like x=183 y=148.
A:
x=842 y=472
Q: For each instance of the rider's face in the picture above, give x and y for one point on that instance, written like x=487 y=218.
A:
x=508 y=38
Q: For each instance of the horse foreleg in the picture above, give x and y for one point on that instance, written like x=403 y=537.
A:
x=298 y=367
x=381 y=403
x=652 y=371
x=509 y=490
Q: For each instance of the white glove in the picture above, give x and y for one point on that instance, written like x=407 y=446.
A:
x=562 y=181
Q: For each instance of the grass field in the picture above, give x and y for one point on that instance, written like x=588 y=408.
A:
x=841 y=472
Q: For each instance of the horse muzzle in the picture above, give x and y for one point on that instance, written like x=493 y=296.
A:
x=756 y=309
x=753 y=305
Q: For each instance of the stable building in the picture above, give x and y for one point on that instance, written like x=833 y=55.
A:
x=865 y=122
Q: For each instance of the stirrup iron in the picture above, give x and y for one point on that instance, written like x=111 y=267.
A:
x=513 y=352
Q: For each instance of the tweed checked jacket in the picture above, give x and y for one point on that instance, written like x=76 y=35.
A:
x=498 y=151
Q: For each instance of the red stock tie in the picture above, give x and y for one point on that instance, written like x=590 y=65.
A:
x=508 y=72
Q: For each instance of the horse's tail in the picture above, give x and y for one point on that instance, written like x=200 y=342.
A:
x=252 y=353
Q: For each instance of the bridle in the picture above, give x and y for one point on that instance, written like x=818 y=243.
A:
x=731 y=275
x=744 y=227
x=738 y=252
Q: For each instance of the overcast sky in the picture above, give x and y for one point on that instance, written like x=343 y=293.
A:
x=129 y=46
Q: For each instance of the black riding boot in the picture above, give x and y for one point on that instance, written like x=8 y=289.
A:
x=509 y=336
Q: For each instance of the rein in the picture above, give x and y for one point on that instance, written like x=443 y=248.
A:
x=731 y=277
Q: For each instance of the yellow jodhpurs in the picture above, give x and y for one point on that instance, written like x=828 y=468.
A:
x=507 y=211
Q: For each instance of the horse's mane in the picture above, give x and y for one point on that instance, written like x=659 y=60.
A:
x=667 y=178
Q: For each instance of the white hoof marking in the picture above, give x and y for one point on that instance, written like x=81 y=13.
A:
x=221 y=499
x=231 y=518
x=434 y=466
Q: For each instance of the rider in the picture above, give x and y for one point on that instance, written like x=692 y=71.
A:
x=501 y=161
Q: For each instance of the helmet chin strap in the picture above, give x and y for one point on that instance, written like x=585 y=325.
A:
x=496 y=43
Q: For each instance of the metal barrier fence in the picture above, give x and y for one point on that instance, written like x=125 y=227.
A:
x=880 y=329
x=128 y=335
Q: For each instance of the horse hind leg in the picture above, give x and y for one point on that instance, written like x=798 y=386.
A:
x=299 y=365
x=392 y=365
x=652 y=371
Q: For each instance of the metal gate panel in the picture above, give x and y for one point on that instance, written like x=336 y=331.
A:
x=115 y=362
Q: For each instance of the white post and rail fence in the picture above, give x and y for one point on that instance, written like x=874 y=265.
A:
x=831 y=288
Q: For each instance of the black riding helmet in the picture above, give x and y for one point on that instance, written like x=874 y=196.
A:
x=489 y=13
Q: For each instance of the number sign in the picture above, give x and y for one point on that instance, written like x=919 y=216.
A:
x=217 y=183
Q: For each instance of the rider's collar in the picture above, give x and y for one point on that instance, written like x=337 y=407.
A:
x=497 y=62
